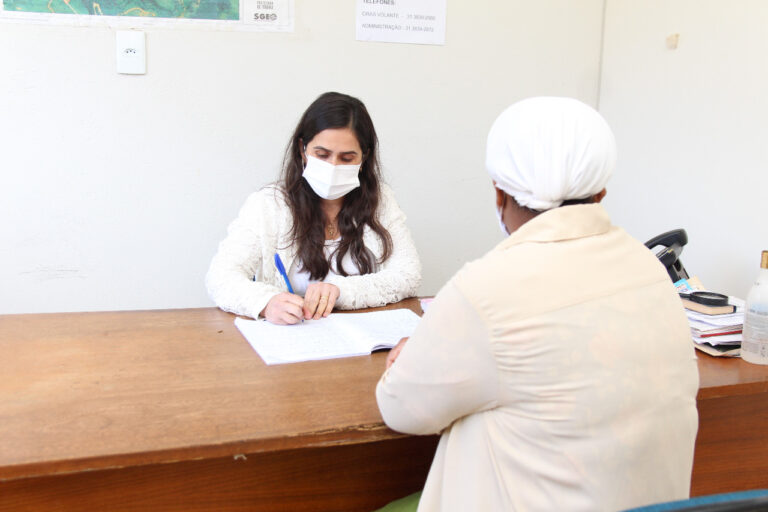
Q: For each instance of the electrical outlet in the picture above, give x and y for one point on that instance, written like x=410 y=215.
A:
x=131 y=52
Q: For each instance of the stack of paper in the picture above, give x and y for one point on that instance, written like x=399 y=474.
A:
x=719 y=332
x=718 y=335
x=716 y=329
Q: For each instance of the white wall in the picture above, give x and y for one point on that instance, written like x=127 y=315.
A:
x=115 y=190
x=691 y=129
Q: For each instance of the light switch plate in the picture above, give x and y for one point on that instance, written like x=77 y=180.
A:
x=131 y=52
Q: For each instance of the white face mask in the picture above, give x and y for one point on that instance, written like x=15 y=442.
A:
x=331 y=181
x=499 y=210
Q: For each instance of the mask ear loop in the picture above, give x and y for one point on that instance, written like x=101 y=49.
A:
x=500 y=213
x=362 y=162
x=304 y=158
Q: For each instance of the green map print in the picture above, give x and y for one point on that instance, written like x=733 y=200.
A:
x=190 y=9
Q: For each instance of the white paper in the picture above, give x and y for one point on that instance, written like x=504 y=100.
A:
x=338 y=335
x=704 y=322
x=716 y=331
x=701 y=323
x=401 y=21
x=725 y=339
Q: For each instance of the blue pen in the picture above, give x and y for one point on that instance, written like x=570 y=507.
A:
x=281 y=269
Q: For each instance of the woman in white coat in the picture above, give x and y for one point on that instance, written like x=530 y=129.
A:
x=332 y=223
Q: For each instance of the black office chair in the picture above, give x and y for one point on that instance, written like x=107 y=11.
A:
x=746 y=501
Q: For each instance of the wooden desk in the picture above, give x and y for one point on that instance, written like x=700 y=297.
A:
x=173 y=410
x=732 y=443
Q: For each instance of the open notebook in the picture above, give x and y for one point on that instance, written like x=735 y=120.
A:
x=338 y=335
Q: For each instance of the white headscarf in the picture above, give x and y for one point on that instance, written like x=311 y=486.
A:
x=543 y=151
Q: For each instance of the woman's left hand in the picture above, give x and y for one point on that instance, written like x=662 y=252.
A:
x=319 y=300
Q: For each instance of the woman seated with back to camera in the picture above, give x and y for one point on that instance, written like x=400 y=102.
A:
x=334 y=224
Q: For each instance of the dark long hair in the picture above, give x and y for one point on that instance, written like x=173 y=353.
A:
x=360 y=206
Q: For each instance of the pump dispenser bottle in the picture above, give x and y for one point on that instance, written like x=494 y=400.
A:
x=754 y=345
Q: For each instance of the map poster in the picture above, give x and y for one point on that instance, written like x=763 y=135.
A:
x=267 y=15
x=401 y=21
x=191 y=9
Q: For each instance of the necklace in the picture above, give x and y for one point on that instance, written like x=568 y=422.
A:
x=331 y=228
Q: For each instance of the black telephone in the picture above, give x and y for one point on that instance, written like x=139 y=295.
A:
x=672 y=243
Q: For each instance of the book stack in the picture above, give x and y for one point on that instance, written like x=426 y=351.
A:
x=716 y=330
x=717 y=334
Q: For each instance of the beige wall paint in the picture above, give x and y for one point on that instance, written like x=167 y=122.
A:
x=115 y=189
x=691 y=128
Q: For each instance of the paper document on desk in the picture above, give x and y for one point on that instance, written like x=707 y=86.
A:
x=338 y=335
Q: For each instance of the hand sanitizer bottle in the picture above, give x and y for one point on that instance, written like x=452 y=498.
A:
x=754 y=345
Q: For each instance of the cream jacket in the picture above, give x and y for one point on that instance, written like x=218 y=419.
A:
x=560 y=370
x=242 y=277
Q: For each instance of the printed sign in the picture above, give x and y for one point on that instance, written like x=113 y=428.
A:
x=401 y=21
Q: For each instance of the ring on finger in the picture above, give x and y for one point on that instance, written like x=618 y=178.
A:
x=323 y=297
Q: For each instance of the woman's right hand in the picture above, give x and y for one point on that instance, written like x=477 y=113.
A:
x=284 y=309
x=395 y=352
